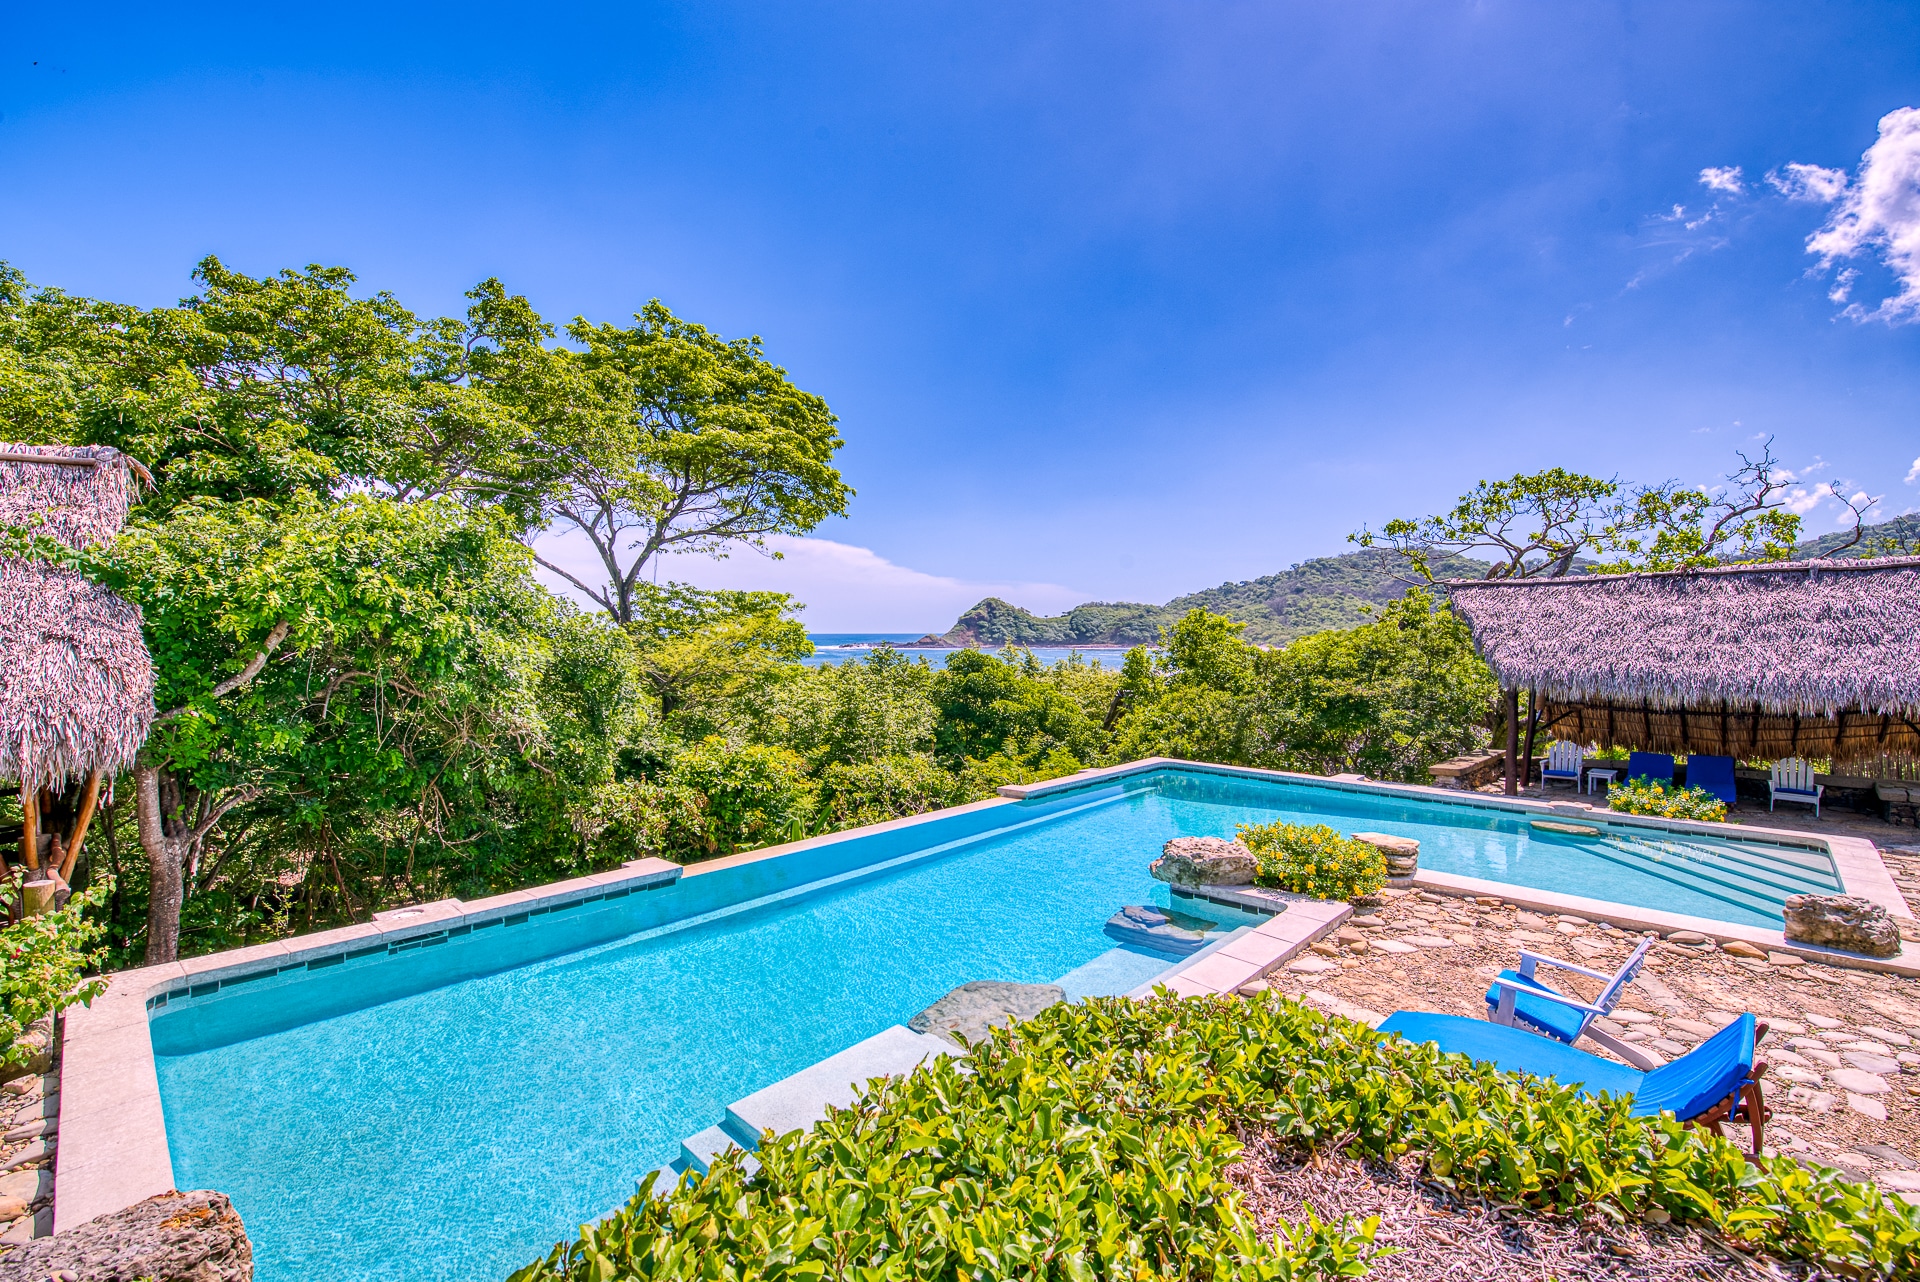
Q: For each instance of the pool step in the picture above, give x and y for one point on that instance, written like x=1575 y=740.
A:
x=1743 y=876
x=795 y=1103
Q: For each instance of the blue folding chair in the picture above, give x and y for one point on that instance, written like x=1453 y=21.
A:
x=1650 y=765
x=1716 y=1082
x=1714 y=774
x=1520 y=997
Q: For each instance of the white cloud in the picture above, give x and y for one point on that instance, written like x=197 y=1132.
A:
x=1880 y=210
x=1809 y=183
x=845 y=588
x=1725 y=178
x=1913 y=473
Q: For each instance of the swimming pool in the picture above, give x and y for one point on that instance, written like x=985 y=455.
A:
x=450 y=1110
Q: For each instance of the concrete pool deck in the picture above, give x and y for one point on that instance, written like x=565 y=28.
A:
x=113 y=1147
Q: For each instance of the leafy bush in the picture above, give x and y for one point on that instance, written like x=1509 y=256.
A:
x=1644 y=796
x=1090 y=1142
x=891 y=787
x=753 y=795
x=1314 y=860
x=43 y=964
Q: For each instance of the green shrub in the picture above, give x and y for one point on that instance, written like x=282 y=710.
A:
x=750 y=795
x=891 y=787
x=43 y=965
x=1090 y=1143
x=1314 y=860
x=1644 y=796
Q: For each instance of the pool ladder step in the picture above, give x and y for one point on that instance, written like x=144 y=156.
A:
x=795 y=1103
x=1742 y=877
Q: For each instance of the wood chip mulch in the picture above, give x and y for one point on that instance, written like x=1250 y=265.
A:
x=1436 y=1235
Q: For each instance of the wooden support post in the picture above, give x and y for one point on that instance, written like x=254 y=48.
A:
x=89 y=799
x=1533 y=723
x=30 y=826
x=1513 y=739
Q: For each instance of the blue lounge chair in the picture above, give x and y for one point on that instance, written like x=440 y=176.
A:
x=1715 y=774
x=1520 y=998
x=1650 y=765
x=1716 y=1082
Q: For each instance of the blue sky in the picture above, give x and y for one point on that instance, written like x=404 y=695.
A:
x=1114 y=300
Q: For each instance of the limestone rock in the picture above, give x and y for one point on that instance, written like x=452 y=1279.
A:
x=1160 y=930
x=1741 y=948
x=1867 y=1106
x=965 y=1014
x=1846 y=922
x=175 y=1237
x=1205 y=861
x=1685 y=937
x=1402 y=853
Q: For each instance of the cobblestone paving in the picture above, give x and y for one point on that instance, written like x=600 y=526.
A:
x=1843 y=1052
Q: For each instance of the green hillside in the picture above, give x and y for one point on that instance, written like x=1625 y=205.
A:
x=1898 y=537
x=1327 y=592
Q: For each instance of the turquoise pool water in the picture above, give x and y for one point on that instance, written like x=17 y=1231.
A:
x=450 y=1111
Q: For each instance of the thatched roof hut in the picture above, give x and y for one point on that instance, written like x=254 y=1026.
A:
x=1801 y=658
x=77 y=693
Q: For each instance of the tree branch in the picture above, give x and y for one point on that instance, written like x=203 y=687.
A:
x=245 y=676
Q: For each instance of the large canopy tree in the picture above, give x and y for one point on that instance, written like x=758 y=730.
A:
x=353 y=656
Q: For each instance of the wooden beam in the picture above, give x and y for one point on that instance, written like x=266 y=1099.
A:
x=88 y=800
x=1839 y=732
x=1513 y=739
x=58 y=460
x=30 y=827
x=1533 y=723
x=1726 y=740
x=1686 y=735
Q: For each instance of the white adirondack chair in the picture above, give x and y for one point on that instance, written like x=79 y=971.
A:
x=1793 y=781
x=1564 y=761
x=1520 y=998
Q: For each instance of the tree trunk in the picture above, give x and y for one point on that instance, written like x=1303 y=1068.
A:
x=166 y=857
x=1513 y=739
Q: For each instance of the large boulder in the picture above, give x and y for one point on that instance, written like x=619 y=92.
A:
x=1159 y=930
x=1402 y=854
x=965 y=1014
x=174 y=1237
x=1846 y=922
x=1205 y=861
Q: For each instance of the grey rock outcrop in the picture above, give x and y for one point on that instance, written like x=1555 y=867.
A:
x=965 y=1014
x=1846 y=922
x=174 y=1237
x=1205 y=861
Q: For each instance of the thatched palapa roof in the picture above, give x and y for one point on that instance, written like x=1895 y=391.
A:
x=1806 y=658
x=76 y=682
x=81 y=502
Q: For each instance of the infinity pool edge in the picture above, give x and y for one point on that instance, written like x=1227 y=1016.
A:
x=113 y=1148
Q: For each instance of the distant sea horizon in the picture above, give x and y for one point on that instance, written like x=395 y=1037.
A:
x=839 y=647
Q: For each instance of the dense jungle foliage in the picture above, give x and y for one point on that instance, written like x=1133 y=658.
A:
x=367 y=697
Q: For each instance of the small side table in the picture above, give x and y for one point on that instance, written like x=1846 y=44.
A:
x=1608 y=775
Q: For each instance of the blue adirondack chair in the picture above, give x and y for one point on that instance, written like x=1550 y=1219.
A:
x=1716 y=1082
x=1650 y=765
x=1715 y=774
x=1520 y=998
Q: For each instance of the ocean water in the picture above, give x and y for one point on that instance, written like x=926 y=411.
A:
x=839 y=647
x=450 y=1112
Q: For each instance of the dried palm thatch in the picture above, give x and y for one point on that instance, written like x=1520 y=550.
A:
x=1808 y=658
x=76 y=682
x=80 y=503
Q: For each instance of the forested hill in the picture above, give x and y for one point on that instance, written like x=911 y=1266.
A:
x=1898 y=537
x=1328 y=592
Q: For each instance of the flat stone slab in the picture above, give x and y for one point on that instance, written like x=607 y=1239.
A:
x=1856 y=1081
x=1394 y=946
x=1870 y=1062
x=1163 y=930
x=965 y=1014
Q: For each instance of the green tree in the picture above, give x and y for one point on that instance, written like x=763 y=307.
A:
x=849 y=713
x=752 y=795
x=988 y=705
x=1387 y=699
x=688 y=443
